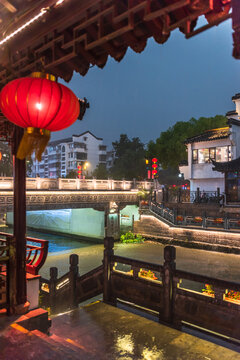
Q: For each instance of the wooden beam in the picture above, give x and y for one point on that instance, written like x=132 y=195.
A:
x=8 y=6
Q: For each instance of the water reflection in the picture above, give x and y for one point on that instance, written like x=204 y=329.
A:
x=57 y=243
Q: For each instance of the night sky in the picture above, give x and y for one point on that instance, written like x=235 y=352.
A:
x=146 y=93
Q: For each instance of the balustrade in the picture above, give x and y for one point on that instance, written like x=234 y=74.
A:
x=202 y=220
x=176 y=296
x=76 y=184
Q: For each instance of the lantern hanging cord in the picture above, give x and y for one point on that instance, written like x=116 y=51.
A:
x=28 y=23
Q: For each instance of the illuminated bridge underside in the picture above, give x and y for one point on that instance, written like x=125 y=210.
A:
x=78 y=34
x=45 y=200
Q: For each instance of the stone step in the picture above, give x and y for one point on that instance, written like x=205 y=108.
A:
x=66 y=346
x=18 y=343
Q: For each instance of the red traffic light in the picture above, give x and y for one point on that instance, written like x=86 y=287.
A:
x=154 y=166
x=154 y=172
x=154 y=160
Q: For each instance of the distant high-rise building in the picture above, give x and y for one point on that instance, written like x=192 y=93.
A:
x=84 y=151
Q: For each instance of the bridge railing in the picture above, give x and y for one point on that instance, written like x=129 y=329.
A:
x=6 y=183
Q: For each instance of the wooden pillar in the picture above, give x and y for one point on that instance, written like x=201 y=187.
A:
x=168 y=271
x=108 y=253
x=19 y=231
x=73 y=276
x=52 y=289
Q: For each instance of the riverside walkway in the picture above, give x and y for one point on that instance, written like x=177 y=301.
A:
x=102 y=332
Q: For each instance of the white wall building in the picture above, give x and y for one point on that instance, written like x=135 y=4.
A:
x=65 y=155
x=221 y=145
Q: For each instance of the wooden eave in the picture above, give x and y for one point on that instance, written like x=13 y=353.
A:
x=79 y=34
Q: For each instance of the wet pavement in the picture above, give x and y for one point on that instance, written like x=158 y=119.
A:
x=109 y=333
x=103 y=332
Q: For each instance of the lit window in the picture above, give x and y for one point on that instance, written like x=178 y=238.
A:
x=212 y=153
x=222 y=153
x=195 y=156
x=203 y=156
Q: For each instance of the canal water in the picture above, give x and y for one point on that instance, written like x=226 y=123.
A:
x=213 y=264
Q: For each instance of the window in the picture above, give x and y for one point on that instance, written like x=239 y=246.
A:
x=203 y=156
x=81 y=156
x=85 y=138
x=222 y=153
x=102 y=147
x=195 y=156
x=212 y=153
x=102 y=158
x=63 y=148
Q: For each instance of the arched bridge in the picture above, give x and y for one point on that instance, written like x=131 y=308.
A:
x=44 y=194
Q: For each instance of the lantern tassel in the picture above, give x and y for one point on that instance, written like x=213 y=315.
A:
x=33 y=139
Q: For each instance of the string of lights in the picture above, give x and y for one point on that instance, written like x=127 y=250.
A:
x=28 y=23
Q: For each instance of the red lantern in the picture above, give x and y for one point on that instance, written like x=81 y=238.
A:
x=154 y=172
x=154 y=166
x=40 y=105
x=154 y=160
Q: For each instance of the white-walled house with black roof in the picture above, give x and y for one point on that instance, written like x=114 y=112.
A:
x=220 y=145
x=64 y=155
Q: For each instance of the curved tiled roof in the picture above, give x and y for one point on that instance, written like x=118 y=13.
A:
x=229 y=166
x=209 y=135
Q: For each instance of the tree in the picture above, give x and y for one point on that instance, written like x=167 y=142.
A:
x=72 y=174
x=169 y=148
x=129 y=159
x=100 y=172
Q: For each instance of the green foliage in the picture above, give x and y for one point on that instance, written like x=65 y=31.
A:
x=169 y=148
x=100 y=172
x=129 y=162
x=129 y=237
x=72 y=174
x=144 y=194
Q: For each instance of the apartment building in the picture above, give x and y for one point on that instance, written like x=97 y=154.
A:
x=66 y=155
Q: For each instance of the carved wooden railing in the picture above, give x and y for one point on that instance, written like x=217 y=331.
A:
x=36 y=255
x=70 y=289
x=175 y=296
x=4 y=265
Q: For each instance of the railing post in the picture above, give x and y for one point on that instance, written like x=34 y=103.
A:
x=179 y=195
x=198 y=195
x=59 y=184
x=52 y=288
x=169 y=267
x=11 y=275
x=108 y=253
x=175 y=212
x=73 y=275
x=163 y=195
x=226 y=222
x=204 y=220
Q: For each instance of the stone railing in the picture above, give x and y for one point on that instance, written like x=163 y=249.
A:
x=202 y=220
x=6 y=183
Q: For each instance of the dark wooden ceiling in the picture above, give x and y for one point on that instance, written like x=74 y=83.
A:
x=73 y=35
x=77 y=34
